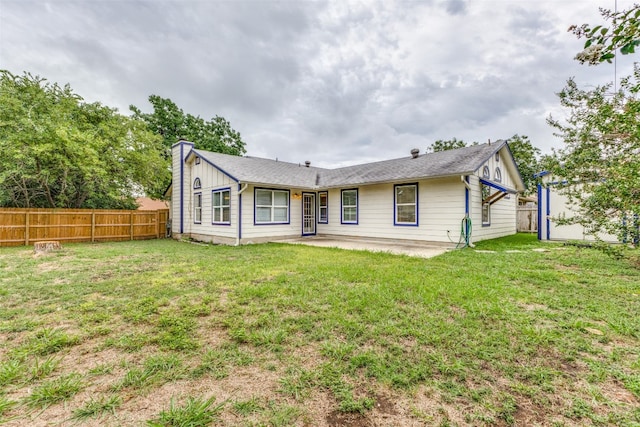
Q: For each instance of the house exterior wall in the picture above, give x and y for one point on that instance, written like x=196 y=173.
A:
x=552 y=205
x=441 y=207
x=252 y=232
x=179 y=187
x=502 y=213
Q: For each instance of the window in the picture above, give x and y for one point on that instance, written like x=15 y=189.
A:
x=486 y=207
x=272 y=206
x=498 y=175
x=197 y=160
x=497 y=157
x=197 y=208
x=196 y=183
x=350 y=206
x=486 y=214
x=323 y=207
x=406 y=204
x=486 y=173
x=221 y=206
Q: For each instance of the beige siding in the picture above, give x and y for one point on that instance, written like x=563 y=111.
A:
x=559 y=207
x=502 y=215
x=440 y=208
x=210 y=179
x=255 y=233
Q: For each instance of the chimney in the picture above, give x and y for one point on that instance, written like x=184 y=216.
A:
x=415 y=153
x=307 y=163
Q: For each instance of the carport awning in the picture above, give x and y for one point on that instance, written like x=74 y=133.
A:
x=497 y=186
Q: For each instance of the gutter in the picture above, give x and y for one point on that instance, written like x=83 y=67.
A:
x=241 y=189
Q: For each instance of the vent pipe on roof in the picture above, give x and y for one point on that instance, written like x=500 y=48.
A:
x=307 y=163
x=415 y=153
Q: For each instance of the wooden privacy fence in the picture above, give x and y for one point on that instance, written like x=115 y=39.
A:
x=26 y=226
x=527 y=218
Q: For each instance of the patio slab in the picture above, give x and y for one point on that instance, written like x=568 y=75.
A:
x=416 y=249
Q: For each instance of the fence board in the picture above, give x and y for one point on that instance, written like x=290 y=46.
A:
x=25 y=226
x=527 y=219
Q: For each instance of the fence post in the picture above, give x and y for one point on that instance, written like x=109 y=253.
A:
x=26 y=228
x=131 y=221
x=93 y=226
x=157 y=224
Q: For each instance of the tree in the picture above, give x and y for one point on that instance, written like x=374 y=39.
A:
x=444 y=145
x=59 y=152
x=602 y=42
x=599 y=166
x=526 y=157
x=170 y=122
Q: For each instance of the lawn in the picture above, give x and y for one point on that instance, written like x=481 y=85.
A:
x=172 y=333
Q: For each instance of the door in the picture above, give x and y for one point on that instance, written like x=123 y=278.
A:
x=308 y=214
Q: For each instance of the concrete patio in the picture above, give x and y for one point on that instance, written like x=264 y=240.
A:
x=398 y=247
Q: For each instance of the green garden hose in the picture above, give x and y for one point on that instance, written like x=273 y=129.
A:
x=465 y=232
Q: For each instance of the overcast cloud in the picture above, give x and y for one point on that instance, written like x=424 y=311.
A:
x=332 y=82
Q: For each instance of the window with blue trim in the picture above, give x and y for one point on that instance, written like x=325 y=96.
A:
x=272 y=206
x=498 y=175
x=197 y=208
x=486 y=173
x=349 y=206
x=323 y=207
x=485 y=191
x=197 y=184
x=406 y=204
x=221 y=206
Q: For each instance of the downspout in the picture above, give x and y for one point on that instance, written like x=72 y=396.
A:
x=240 y=191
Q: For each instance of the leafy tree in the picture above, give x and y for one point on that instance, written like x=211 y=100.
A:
x=172 y=124
x=599 y=162
x=59 y=152
x=602 y=42
x=526 y=157
x=444 y=145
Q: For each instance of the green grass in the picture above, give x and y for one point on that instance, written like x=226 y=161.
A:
x=55 y=391
x=195 y=412
x=96 y=408
x=467 y=338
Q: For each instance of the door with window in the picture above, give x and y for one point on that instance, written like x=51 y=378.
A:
x=308 y=214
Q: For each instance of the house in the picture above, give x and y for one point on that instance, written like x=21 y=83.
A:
x=435 y=197
x=552 y=205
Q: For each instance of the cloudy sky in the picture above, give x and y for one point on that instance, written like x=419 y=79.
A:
x=336 y=83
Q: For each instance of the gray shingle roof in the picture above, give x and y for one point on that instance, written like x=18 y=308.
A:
x=256 y=170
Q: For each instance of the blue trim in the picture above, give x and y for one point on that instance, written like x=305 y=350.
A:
x=182 y=159
x=212 y=164
x=255 y=206
x=326 y=221
x=466 y=204
x=239 y=213
x=548 y=213
x=315 y=228
x=194 y=208
x=357 y=207
x=497 y=186
x=220 y=190
x=541 y=174
x=539 y=212
x=395 y=206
